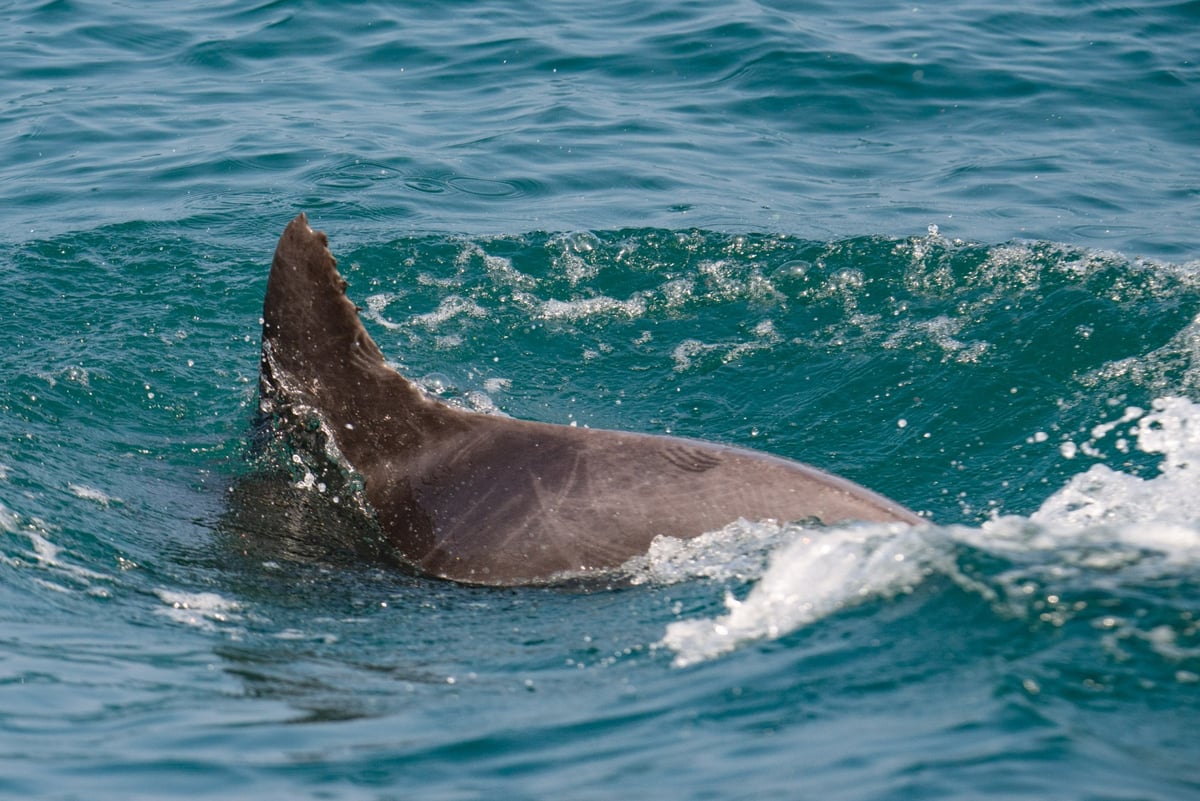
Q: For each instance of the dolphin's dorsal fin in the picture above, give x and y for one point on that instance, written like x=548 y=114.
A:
x=317 y=354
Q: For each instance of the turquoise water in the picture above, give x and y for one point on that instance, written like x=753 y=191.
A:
x=952 y=253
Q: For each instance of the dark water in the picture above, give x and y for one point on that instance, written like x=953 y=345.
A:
x=948 y=252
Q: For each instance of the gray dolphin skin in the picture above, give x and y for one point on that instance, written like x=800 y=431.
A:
x=486 y=499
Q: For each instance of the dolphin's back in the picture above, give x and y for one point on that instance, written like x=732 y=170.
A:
x=511 y=501
x=493 y=500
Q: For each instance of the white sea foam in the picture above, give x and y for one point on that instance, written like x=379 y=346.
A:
x=739 y=551
x=1104 y=525
x=202 y=610
x=91 y=494
x=451 y=306
x=600 y=305
x=376 y=305
x=570 y=260
x=47 y=556
x=8 y=520
x=687 y=351
x=807 y=579
x=1103 y=496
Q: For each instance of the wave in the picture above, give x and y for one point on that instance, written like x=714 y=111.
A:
x=1104 y=532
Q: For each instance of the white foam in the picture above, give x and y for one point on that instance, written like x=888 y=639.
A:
x=202 y=610
x=46 y=555
x=499 y=268
x=376 y=306
x=569 y=262
x=737 y=552
x=687 y=350
x=941 y=331
x=1102 y=528
x=44 y=550
x=1164 y=509
x=765 y=337
x=91 y=494
x=451 y=306
x=731 y=280
x=8 y=519
x=601 y=305
x=807 y=579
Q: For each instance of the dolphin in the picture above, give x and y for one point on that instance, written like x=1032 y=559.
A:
x=487 y=499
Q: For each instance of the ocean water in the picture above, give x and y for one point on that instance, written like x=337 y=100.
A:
x=950 y=252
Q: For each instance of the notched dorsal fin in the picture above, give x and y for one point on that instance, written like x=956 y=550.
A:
x=317 y=354
x=306 y=314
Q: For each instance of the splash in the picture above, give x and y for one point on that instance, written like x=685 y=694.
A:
x=1102 y=531
x=806 y=580
x=1134 y=505
x=737 y=552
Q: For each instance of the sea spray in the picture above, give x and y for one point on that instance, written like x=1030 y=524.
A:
x=1104 y=529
